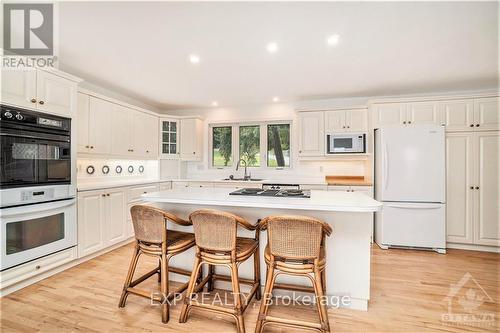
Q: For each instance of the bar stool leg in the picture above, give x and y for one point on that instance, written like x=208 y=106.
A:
x=211 y=271
x=130 y=275
x=321 y=302
x=256 y=272
x=237 y=298
x=159 y=270
x=165 y=313
x=264 y=303
x=190 y=289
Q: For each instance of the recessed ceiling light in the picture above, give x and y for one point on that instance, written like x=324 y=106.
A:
x=276 y=99
x=332 y=40
x=194 y=59
x=214 y=103
x=272 y=47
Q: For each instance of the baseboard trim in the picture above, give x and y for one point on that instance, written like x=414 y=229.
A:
x=473 y=247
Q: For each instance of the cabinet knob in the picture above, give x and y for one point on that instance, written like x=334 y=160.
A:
x=41 y=102
x=348 y=126
x=477 y=187
x=91 y=147
x=194 y=153
x=409 y=122
x=404 y=122
x=104 y=195
x=87 y=146
x=343 y=126
x=38 y=267
x=33 y=100
x=477 y=125
x=300 y=151
x=147 y=151
x=472 y=187
x=471 y=125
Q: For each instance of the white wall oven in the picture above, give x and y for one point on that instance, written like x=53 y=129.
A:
x=33 y=231
x=346 y=143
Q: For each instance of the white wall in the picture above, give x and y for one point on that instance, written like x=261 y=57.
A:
x=310 y=170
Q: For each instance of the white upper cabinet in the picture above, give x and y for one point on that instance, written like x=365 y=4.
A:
x=191 y=139
x=388 y=114
x=55 y=94
x=37 y=89
x=121 y=131
x=107 y=128
x=423 y=113
x=82 y=121
x=169 y=138
x=487 y=113
x=415 y=113
x=312 y=133
x=457 y=115
x=19 y=87
x=335 y=121
x=488 y=188
x=356 y=120
x=100 y=124
x=346 y=121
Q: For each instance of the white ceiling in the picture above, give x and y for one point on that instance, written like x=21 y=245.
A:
x=142 y=49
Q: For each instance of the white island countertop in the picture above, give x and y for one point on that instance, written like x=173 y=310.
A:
x=328 y=201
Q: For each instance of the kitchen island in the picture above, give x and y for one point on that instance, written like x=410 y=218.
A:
x=348 y=248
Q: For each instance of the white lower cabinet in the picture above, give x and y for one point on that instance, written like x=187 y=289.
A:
x=368 y=190
x=101 y=220
x=473 y=188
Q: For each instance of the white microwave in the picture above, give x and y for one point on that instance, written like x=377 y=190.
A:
x=346 y=143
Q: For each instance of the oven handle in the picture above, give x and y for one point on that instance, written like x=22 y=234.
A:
x=36 y=207
x=33 y=137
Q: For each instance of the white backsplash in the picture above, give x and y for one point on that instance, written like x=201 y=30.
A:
x=151 y=170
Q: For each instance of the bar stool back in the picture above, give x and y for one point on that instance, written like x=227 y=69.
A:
x=152 y=238
x=296 y=246
x=218 y=245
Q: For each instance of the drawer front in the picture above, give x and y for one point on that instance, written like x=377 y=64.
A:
x=35 y=267
x=201 y=184
x=176 y=184
x=134 y=193
x=165 y=186
x=339 y=188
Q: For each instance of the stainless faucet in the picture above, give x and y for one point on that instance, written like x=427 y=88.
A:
x=246 y=176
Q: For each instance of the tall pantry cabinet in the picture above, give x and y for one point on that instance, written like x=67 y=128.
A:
x=472 y=171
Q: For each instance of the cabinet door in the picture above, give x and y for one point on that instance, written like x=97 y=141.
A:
x=356 y=120
x=100 y=112
x=90 y=222
x=457 y=115
x=191 y=139
x=487 y=113
x=488 y=195
x=311 y=133
x=82 y=121
x=389 y=114
x=121 y=131
x=335 y=121
x=55 y=94
x=148 y=147
x=459 y=180
x=115 y=216
x=19 y=87
x=169 y=134
x=423 y=113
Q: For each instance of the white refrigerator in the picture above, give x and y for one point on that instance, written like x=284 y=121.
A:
x=410 y=182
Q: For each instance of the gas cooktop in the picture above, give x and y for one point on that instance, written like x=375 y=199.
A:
x=274 y=190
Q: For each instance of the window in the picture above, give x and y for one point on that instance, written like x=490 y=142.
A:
x=250 y=145
x=260 y=145
x=278 y=145
x=221 y=146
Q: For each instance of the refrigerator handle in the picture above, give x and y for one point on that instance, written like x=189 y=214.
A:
x=386 y=167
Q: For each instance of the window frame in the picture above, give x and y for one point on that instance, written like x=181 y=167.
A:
x=235 y=143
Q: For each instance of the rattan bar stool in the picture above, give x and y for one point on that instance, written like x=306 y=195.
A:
x=152 y=238
x=217 y=244
x=296 y=246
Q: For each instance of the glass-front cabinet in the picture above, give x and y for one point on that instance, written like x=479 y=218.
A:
x=169 y=138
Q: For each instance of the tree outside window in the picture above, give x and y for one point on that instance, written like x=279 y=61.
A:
x=278 y=145
x=221 y=146
x=250 y=145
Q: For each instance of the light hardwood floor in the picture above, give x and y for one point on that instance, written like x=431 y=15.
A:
x=407 y=295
